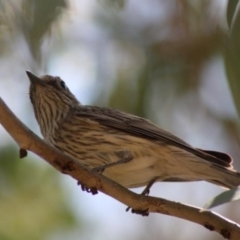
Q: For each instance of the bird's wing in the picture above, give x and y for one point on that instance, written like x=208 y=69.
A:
x=143 y=128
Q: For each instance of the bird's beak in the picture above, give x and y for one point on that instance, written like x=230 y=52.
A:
x=34 y=79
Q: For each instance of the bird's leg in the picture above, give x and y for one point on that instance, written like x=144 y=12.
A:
x=125 y=157
x=145 y=192
x=100 y=169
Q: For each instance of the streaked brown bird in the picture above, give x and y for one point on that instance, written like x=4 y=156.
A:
x=127 y=149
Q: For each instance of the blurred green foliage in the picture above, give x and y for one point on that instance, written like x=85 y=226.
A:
x=225 y=197
x=113 y=4
x=36 y=20
x=232 y=63
x=32 y=199
x=231 y=11
x=33 y=19
x=232 y=54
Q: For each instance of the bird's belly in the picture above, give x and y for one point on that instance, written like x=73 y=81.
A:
x=143 y=166
x=146 y=164
x=136 y=173
x=150 y=159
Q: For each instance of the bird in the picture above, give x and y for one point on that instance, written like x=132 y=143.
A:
x=125 y=148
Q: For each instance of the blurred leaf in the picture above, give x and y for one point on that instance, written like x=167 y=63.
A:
x=113 y=4
x=6 y=29
x=37 y=17
x=121 y=94
x=225 y=197
x=232 y=59
x=231 y=7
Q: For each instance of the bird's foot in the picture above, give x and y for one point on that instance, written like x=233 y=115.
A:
x=92 y=190
x=144 y=213
x=145 y=192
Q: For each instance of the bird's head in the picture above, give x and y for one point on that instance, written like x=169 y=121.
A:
x=50 y=98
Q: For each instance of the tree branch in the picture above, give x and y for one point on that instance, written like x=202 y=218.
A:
x=26 y=139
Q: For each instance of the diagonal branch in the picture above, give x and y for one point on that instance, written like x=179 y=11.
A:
x=26 y=139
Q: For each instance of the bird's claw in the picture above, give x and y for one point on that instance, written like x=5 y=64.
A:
x=145 y=192
x=144 y=213
x=92 y=190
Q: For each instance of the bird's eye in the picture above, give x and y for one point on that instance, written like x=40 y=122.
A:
x=63 y=85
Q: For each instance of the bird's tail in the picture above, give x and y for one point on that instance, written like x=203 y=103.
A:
x=222 y=171
x=227 y=178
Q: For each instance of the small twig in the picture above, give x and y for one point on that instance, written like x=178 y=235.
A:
x=27 y=140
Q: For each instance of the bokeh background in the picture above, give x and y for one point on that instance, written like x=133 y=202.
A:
x=174 y=62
